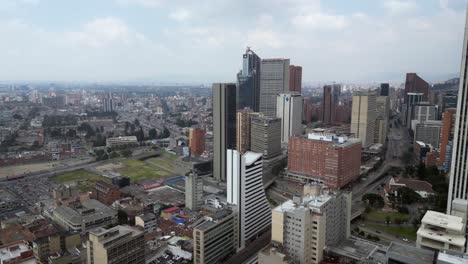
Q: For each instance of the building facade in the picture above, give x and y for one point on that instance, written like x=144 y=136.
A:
x=224 y=125
x=248 y=81
x=331 y=98
x=193 y=191
x=446 y=138
x=295 y=79
x=381 y=121
x=196 y=141
x=147 y=222
x=120 y=244
x=363 y=116
x=415 y=84
x=245 y=192
x=289 y=109
x=265 y=135
x=429 y=133
x=274 y=79
x=243 y=130
x=327 y=159
x=105 y=192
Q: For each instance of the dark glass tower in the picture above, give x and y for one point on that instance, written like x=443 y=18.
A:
x=248 y=82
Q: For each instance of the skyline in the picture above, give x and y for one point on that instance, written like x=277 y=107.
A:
x=182 y=42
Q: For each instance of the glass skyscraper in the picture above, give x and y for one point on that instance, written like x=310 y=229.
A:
x=248 y=82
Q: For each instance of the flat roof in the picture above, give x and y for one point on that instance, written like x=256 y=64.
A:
x=14 y=250
x=77 y=215
x=450 y=222
x=115 y=233
x=308 y=202
x=412 y=252
x=251 y=157
x=451 y=258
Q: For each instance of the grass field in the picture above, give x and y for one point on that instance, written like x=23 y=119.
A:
x=380 y=216
x=138 y=170
x=402 y=231
x=162 y=163
x=27 y=168
x=83 y=178
x=169 y=156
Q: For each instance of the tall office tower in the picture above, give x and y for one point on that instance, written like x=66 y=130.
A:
x=407 y=108
x=289 y=109
x=108 y=105
x=422 y=112
x=120 y=244
x=324 y=158
x=245 y=191
x=196 y=141
x=449 y=100
x=384 y=89
x=415 y=84
x=428 y=132
x=381 y=121
x=343 y=112
x=265 y=135
x=305 y=226
x=295 y=79
x=363 y=116
x=248 y=81
x=307 y=110
x=331 y=98
x=446 y=138
x=243 y=130
x=274 y=79
x=214 y=238
x=193 y=191
x=224 y=126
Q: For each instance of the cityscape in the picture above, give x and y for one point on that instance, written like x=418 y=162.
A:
x=269 y=166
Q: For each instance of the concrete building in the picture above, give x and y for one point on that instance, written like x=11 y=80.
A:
x=423 y=112
x=458 y=186
x=196 y=141
x=147 y=222
x=407 y=109
x=415 y=84
x=305 y=226
x=120 y=244
x=108 y=103
x=85 y=216
x=440 y=231
x=289 y=109
x=121 y=141
x=17 y=253
x=428 y=132
x=193 y=191
x=214 y=238
x=331 y=98
x=243 y=130
x=295 y=78
x=248 y=81
x=265 y=135
x=381 y=121
x=245 y=192
x=105 y=192
x=404 y=254
x=323 y=158
x=273 y=255
x=446 y=138
x=224 y=126
x=363 y=116
x=48 y=243
x=274 y=79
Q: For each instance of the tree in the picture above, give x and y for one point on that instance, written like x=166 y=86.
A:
x=387 y=220
x=122 y=217
x=421 y=171
x=152 y=133
x=126 y=153
x=374 y=200
x=136 y=122
x=407 y=195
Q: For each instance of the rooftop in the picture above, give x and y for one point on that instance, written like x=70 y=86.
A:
x=114 y=234
x=15 y=250
x=411 y=252
x=251 y=157
x=333 y=138
x=444 y=228
x=454 y=258
x=308 y=202
x=89 y=211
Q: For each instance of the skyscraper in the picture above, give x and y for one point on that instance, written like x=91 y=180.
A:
x=384 y=89
x=381 y=121
x=446 y=138
x=248 y=81
x=458 y=173
x=193 y=191
x=108 y=105
x=415 y=84
x=265 y=135
x=331 y=98
x=295 y=78
x=363 y=116
x=274 y=79
x=243 y=130
x=245 y=192
x=196 y=141
x=224 y=125
x=289 y=109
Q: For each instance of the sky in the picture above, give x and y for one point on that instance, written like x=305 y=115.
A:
x=203 y=41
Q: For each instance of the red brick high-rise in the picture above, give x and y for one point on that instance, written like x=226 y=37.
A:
x=196 y=141
x=307 y=110
x=331 y=97
x=327 y=159
x=446 y=134
x=295 y=78
x=415 y=84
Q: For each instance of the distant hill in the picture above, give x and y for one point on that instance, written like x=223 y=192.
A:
x=451 y=84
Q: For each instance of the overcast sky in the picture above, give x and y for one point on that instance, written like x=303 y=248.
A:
x=203 y=41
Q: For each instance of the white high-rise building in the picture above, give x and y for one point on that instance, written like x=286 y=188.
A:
x=458 y=186
x=289 y=109
x=245 y=192
x=274 y=79
x=363 y=116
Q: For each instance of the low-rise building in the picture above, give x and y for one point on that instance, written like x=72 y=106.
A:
x=423 y=188
x=403 y=254
x=106 y=193
x=440 y=231
x=84 y=216
x=147 y=222
x=17 y=253
x=121 y=141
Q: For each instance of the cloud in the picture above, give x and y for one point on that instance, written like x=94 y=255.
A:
x=143 y=3
x=180 y=15
x=320 y=21
x=399 y=6
x=264 y=39
x=101 y=32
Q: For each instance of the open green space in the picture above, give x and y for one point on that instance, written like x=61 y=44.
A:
x=83 y=178
x=162 y=163
x=377 y=216
x=168 y=155
x=138 y=170
x=408 y=232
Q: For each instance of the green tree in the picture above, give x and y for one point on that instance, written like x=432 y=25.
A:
x=407 y=195
x=387 y=220
x=152 y=133
x=374 y=200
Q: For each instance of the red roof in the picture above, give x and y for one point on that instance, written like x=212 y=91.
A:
x=170 y=210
